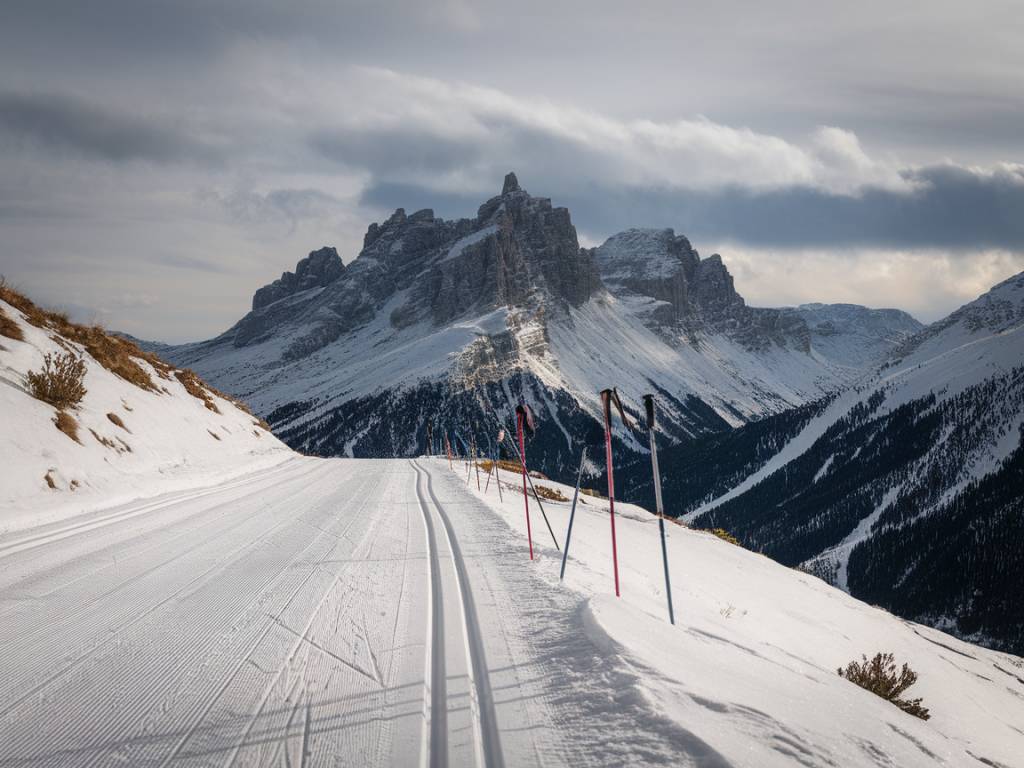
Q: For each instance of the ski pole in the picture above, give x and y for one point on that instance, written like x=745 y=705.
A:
x=649 y=407
x=606 y=402
x=476 y=464
x=522 y=462
x=533 y=487
x=572 y=513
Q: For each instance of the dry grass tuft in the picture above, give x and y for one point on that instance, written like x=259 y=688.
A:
x=116 y=420
x=197 y=388
x=117 y=355
x=66 y=423
x=213 y=434
x=103 y=440
x=550 y=494
x=724 y=535
x=9 y=328
x=592 y=493
x=511 y=466
x=60 y=382
x=49 y=480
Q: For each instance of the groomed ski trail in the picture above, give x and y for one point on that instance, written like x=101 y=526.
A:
x=324 y=612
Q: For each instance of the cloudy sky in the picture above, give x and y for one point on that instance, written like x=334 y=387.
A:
x=159 y=161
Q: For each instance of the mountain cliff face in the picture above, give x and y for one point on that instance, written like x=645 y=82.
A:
x=905 y=490
x=453 y=322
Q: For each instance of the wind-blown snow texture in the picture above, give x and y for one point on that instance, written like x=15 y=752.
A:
x=446 y=320
x=907 y=489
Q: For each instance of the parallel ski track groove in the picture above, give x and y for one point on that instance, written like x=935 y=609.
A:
x=437 y=749
x=486 y=716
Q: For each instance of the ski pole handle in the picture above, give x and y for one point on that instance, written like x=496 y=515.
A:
x=649 y=407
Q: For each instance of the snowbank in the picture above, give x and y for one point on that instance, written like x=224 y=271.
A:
x=747 y=677
x=170 y=440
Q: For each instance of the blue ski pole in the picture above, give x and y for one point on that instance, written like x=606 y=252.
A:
x=649 y=406
x=572 y=513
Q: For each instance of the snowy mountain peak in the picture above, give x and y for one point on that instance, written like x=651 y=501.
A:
x=509 y=303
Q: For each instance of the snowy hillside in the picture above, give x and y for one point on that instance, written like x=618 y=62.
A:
x=908 y=489
x=447 y=320
x=123 y=440
x=747 y=677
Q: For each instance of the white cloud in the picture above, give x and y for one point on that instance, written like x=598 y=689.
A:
x=929 y=284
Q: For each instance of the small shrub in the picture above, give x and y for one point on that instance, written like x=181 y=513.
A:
x=66 y=423
x=60 y=383
x=881 y=677
x=116 y=421
x=9 y=328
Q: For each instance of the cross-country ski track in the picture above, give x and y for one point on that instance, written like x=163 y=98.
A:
x=323 y=612
x=349 y=612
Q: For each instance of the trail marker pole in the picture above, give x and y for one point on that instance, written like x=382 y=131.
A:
x=476 y=464
x=448 y=448
x=649 y=407
x=520 y=416
x=606 y=403
x=572 y=513
x=536 y=496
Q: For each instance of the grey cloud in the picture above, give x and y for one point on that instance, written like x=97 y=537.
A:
x=62 y=122
x=289 y=205
x=388 y=151
x=952 y=208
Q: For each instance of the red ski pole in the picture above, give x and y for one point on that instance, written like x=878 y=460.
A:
x=520 y=415
x=606 y=402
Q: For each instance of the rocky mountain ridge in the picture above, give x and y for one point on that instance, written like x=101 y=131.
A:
x=507 y=305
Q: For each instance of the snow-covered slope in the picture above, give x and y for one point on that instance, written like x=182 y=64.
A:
x=907 y=489
x=131 y=441
x=442 y=320
x=747 y=677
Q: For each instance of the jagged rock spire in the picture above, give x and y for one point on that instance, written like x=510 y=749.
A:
x=511 y=183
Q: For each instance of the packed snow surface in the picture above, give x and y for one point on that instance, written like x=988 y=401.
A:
x=386 y=612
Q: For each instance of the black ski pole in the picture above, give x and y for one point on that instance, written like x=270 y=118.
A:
x=572 y=513
x=649 y=406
